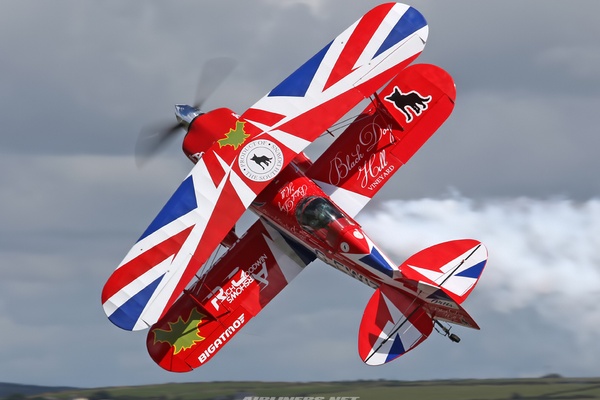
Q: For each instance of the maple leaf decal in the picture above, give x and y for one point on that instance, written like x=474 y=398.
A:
x=235 y=137
x=181 y=334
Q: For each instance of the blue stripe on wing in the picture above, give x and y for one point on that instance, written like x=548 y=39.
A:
x=411 y=21
x=128 y=314
x=298 y=82
x=182 y=202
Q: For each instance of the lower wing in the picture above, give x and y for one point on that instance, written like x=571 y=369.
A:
x=219 y=304
x=385 y=136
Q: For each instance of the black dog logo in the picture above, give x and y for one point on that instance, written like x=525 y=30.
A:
x=407 y=102
x=262 y=161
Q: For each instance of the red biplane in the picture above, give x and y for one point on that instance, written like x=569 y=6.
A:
x=305 y=209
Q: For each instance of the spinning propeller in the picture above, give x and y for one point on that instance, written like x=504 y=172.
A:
x=154 y=137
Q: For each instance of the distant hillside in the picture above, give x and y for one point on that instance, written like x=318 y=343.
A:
x=6 y=389
x=551 y=387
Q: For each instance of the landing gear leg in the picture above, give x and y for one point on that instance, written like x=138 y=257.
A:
x=446 y=331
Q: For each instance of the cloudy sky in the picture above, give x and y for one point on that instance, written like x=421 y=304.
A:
x=515 y=166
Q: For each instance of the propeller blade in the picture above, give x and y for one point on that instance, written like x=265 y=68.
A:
x=213 y=74
x=154 y=137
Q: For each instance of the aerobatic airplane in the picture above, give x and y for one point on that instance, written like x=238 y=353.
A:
x=305 y=209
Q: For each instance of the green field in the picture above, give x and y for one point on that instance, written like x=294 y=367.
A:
x=542 y=388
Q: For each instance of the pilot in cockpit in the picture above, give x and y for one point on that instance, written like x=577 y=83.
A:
x=314 y=213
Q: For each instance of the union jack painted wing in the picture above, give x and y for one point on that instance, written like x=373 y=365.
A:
x=233 y=172
x=385 y=136
x=218 y=305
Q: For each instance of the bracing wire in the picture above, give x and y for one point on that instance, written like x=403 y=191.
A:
x=347 y=121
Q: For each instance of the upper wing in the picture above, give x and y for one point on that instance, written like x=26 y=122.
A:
x=385 y=136
x=218 y=305
x=350 y=68
x=271 y=133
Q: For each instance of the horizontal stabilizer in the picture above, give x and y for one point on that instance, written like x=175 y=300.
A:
x=454 y=267
x=392 y=324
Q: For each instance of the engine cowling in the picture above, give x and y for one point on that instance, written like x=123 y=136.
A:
x=205 y=129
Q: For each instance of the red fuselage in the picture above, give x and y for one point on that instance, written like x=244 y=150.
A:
x=297 y=206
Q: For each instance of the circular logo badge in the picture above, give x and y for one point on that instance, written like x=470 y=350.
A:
x=260 y=160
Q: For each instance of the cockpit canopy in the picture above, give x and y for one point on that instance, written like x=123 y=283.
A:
x=314 y=213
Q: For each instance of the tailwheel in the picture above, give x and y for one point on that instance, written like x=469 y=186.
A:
x=446 y=332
